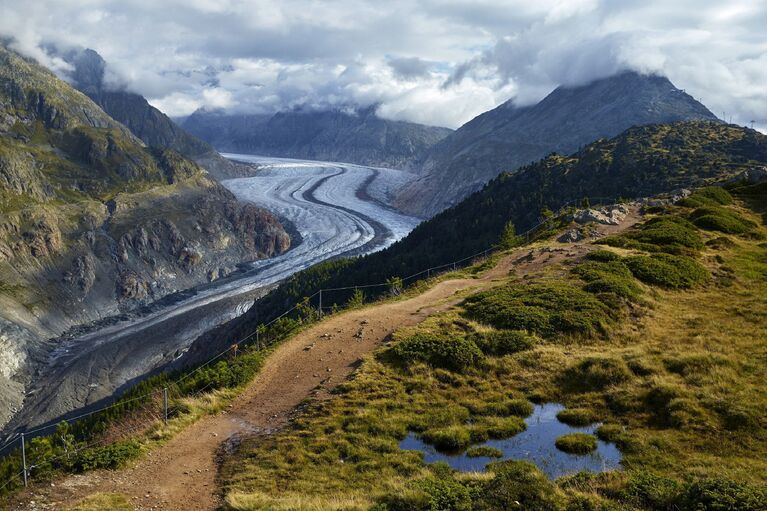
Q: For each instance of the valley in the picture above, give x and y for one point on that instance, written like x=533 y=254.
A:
x=335 y=208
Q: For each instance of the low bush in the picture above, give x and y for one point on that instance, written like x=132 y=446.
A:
x=484 y=451
x=603 y=256
x=608 y=277
x=722 y=494
x=453 y=352
x=518 y=485
x=446 y=494
x=545 y=309
x=672 y=234
x=504 y=342
x=652 y=491
x=576 y=443
x=706 y=196
x=713 y=218
x=576 y=417
x=669 y=271
x=596 y=373
x=112 y=456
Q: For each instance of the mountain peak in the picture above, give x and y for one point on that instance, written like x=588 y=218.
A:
x=508 y=136
x=89 y=68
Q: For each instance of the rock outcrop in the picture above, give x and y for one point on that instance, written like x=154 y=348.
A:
x=93 y=223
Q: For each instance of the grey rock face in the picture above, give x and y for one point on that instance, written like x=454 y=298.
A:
x=356 y=137
x=508 y=136
x=93 y=224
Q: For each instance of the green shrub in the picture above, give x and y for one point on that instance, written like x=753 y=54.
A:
x=576 y=443
x=446 y=494
x=603 y=256
x=713 y=218
x=576 y=417
x=545 y=309
x=453 y=352
x=484 y=451
x=670 y=234
x=504 y=342
x=707 y=195
x=596 y=373
x=723 y=495
x=112 y=456
x=652 y=491
x=591 y=503
x=518 y=485
x=450 y=438
x=669 y=271
x=608 y=277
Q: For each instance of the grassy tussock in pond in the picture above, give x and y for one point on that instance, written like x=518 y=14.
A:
x=674 y=373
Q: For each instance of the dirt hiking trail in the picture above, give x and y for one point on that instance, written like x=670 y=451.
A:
x=181 y=474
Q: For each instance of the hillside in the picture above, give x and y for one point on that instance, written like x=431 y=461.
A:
x=641 y=162
x=333 y=135
x=94 y=223
x=598 y=379
x=153 y=127
x=509 y=136
x=514 y=374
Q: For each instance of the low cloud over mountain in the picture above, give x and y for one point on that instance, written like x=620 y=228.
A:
x=438 y=63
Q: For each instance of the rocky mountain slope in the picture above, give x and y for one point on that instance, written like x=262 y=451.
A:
x=334 y=135
x=640 y=162
x=93 y=223
x=508 y=136
x=148 y=123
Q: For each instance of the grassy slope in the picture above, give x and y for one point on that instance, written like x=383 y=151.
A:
x=640 y=162
x=677 y=379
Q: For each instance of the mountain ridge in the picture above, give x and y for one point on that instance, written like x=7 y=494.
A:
x=358 y=136
x=148 y=123
x=94 y=224
x=509 y=136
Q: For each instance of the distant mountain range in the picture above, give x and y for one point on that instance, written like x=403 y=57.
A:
x=148 y=123
x=508 y=136
x=453 y=164
x=357 y=136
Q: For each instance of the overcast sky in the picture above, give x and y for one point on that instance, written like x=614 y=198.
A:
x=434 y=61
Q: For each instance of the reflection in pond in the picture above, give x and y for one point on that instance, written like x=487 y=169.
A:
x=536 y=444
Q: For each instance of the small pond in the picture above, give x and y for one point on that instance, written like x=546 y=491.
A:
x=536 y=445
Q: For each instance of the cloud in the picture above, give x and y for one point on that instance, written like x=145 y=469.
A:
x=409 y=67
x=432 y=61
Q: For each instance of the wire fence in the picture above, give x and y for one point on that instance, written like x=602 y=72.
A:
x=18 y=440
